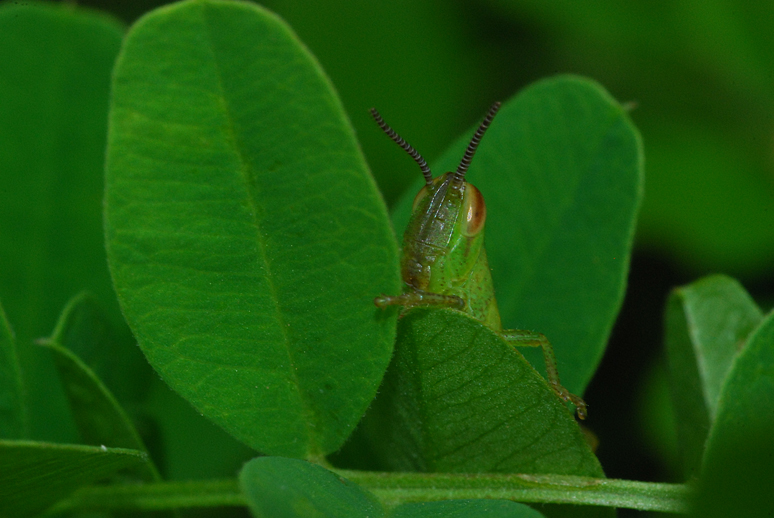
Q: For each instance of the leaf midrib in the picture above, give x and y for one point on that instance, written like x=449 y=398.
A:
x=252 y=195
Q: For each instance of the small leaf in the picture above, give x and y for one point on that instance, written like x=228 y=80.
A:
x=465 y=509
x=745 y=410
x=245 y=235
x=277 y=487
x=736 y=475
x=13 y=412
x=99 y=417
x=35 y=475
x=56 y=64
x=85 y=328
x=707 y=323
x=457 y=398
x=561 y=170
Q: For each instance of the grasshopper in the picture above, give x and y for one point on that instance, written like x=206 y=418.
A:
x=443 y=262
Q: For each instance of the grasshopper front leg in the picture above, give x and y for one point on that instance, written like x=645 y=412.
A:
x=420 y=298
x=521 y=338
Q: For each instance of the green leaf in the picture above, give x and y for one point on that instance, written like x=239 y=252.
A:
x=561 y=171
x=457 y=398
x=35 y=475
x=99 y=417
x=277 y=487
x=466 y=509
x=736 y=476
x=13 y=412
x=706 y=324
x=56 y=63
x=245 y=236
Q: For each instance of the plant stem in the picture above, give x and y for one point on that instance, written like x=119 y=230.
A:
x=398 y=488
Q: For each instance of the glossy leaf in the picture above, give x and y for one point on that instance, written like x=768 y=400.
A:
x=707 y=323
x=560 y=169
x=35 y=475
x=56 y=64
x=457 y=398
x=466 y=509
x=13 y=412
x=278 y=487
x=245 y=236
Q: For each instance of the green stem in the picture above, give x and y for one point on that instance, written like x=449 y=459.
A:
x=398 y=488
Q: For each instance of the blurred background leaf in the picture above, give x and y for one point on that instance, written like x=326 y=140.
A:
x=53 y=129
x=13 y=411
x=57 y=63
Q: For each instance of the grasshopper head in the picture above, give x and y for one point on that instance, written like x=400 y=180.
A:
x=448 y=213
x=447 y=199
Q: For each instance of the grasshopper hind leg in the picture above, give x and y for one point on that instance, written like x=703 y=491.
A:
x=522 y=338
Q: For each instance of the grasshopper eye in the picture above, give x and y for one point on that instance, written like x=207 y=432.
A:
x=420 y=195
x=474 y=209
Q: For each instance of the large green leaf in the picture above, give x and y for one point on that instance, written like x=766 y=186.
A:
x=34 y=475
x=458 y=398
x=245 y=236
x=13 y=411
x=56 y=63
x=561 y=171
x=707 y=323
x=736 y=474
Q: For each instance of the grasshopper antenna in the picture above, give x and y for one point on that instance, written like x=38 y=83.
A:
x=405 y=145
x=459 y=175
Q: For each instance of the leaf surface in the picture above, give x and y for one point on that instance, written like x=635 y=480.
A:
x=245 y=236
x=457 y=398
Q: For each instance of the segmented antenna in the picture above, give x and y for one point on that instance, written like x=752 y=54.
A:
x=459 y=175
x=405 y=145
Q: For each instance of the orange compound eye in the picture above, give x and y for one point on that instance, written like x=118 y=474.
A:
x=474 y=210
x=421 y=194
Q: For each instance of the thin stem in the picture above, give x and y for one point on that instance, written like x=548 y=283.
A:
x=397 y=488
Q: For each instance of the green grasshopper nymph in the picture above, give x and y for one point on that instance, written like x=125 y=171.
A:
x=444 y=263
